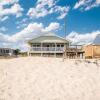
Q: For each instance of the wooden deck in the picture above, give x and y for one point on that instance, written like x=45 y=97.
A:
x=74 y=51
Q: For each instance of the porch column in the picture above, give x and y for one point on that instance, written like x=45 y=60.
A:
x=55 y=49
x=41 y=49
x=28 y=53
x=65 y=51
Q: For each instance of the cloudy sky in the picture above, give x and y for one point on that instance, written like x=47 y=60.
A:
x=20 y=20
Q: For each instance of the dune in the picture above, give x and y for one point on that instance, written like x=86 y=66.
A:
x=43 y=78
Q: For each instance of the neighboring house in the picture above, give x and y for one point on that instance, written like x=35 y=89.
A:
x=6 y=52
x=48 y=44
x=93 y=50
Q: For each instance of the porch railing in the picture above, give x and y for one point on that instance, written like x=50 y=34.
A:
x=46 y=49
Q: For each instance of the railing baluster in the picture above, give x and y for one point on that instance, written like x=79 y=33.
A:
x=46 y=49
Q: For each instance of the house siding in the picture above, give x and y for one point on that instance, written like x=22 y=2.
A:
x=92 y=51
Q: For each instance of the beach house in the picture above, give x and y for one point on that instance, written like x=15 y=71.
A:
x=93 y=50
x=48 y=44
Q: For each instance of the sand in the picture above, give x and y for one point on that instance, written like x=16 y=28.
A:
x=42 y=78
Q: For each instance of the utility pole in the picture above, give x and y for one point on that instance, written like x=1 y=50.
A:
x=65 y=30
x=65 y=25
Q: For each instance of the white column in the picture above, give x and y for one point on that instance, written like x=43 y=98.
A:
x=41 y=49
x=29 y=48
x=55 y=49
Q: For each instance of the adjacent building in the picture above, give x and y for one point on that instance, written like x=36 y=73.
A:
x=93 y=50
x=6 y=52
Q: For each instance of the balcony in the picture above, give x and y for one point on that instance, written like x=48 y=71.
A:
x=46 y=49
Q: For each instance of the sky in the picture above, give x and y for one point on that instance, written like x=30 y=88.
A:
x=21 y=20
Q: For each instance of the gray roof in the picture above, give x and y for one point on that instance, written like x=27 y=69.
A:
x=49 y=38
x=97 y=40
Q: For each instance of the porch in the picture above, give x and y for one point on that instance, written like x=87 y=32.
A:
x=47 y=48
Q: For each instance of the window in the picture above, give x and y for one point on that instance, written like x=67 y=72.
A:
x=4 y=51
x=0 y=50
x=58 y=45
x=62 y=45
x=38 y=45
x=7 y=51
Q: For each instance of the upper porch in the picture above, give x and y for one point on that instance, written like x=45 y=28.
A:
x=47 y=47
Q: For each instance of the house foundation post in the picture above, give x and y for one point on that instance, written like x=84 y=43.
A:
x=76 y=55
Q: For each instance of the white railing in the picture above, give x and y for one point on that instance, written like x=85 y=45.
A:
x=46 y=49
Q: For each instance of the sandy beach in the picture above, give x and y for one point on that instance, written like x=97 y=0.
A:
x=43 y=78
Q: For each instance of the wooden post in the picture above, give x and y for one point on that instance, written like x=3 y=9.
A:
x=76 y=55
x=82 y=55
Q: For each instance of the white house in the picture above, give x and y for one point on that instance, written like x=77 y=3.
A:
x=48 y=44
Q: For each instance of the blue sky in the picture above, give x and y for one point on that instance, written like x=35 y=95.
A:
x=21 y=20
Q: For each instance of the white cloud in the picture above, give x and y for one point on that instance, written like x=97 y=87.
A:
x=20 y=39
x=33 y=29
x=4 y=18
x=3 y=38
x=80 y=39
x=3 y=29
x=14 y=8
x=22 y=23
x=78 y=4
x=52 y=26
x=21 y=26
x=28 y=32
x=46 y=7
x=87 y=4
x=24 y=20
x=62 y=10
x=42 y=3
x=8 y=2
x=98 y=1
